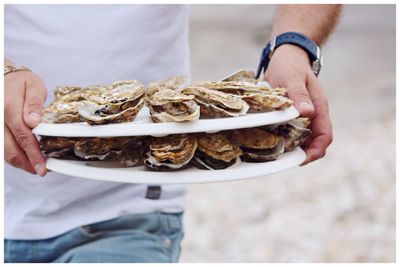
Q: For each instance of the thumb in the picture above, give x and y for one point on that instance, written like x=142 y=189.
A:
x=35 y=95
x=302 y=101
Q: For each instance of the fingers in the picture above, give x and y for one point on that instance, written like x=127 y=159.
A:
x=21 y=133
x=13 y=154
x=35 y=95
x=302 y=100
x=321 y=126
x=28 y=143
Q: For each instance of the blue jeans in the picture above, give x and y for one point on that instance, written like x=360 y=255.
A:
x=151 y=237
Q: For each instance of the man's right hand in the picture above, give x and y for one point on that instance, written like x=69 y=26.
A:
x=24 y=96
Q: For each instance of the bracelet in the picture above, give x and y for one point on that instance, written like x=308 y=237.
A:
x=10 y=68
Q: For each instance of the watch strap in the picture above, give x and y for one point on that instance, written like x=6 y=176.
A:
x=295 y=38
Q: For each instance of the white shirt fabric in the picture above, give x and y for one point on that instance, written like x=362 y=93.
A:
x=84 y=45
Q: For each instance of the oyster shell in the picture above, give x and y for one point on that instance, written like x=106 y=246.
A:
x=174 y=83
x=167 y=105
x=120 y=103
x=171 y=152
x=94 y=93
x=259 y=101
x=132 y=154
x=61 y=91
x=241 y=75
x=127 y=151
x=58 y=147
x=63 y=112
x=217 y=104
x=295 y=132
x=259 y=96
x=216 y=151
x=258 y=145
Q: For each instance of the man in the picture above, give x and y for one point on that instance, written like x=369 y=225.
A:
x=60 y=218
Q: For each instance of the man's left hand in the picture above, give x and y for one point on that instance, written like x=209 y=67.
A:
x=290 y=67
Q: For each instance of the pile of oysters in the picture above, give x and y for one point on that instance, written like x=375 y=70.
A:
x=168 y=101
x=173 y=101
x=173 y=152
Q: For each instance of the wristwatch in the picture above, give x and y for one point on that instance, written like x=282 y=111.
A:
x=295 y=38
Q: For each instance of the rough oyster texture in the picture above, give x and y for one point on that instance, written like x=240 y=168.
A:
x=63 y=112
x=58 y=147
x=295 y=132
x=61 y=91
x=260 y=101
x=260 y=96
x=259 y=145
x=128 y=151
x=167 y=105
x=174 y=83
x=171 y=152
x=241 y=75
x=119 y=103
x=216 y=151
x=217 y=104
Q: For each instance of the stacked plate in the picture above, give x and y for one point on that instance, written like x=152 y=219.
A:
x=143 y=126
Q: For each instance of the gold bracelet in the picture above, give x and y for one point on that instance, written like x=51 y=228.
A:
x=10 y=68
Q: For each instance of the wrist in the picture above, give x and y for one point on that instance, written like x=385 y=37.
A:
x=291 y=39
x=292 y=51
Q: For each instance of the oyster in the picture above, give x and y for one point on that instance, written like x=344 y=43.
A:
x=260 y=101
x=216 y=151
x=258 y=145
x=132 y=154
x=62 y=91
x=295 y=132
x=259 y=96
x=120 y=103
x=241 y=75
x=171 y=152
x=173 y=83
x=63 y=112
x=167 y=105
x=217 y=104
x=94 y=93
x=127 y=151
x=58 y=147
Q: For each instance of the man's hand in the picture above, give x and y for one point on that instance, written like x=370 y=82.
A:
x=290 y=67
x=24 y=96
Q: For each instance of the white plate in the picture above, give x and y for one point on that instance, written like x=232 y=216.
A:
x=140 y=175
x=143 y=125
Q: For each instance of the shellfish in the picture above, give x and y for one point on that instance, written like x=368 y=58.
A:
x=216 y=151
x=127 y=151
x=217 y=104
x=120 y=103
x=258 y=145
x=295 y=132
x=171 y=152
x=58 y=147
x=167 y=105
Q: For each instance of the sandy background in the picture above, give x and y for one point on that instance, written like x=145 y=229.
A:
x=339 y=209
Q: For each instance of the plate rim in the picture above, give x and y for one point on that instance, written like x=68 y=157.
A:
x=72 y=168
x=162 y=129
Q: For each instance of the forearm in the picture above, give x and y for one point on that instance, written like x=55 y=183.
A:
x=314 y=21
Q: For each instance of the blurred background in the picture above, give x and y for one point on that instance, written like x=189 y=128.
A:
x=339 y=209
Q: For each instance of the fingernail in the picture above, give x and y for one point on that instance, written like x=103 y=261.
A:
x=39 y=170
x=34 y=117
x=306 y=106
